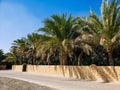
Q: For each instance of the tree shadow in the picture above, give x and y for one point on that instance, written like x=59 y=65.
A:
x=103 y=74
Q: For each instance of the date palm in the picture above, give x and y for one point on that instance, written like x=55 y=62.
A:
x=83 y=41
x=60 y=31
x=10 y=58
x=19 y=49
x=34 y=42
x=107 y=29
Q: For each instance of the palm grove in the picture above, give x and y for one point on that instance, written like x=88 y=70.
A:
x=68 y=40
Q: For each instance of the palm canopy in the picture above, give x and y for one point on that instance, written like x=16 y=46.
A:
x=19 y=49
x=60 y=31
x=108 y=27
x=34 y=40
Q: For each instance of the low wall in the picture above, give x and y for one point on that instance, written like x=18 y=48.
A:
x=17 y=67
x=98 y=73
x=2 y=67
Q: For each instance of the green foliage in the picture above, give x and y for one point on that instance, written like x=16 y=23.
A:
x=10 y=58
x=107 y=29
x=72 y=41
x=2 y=56
x=60 y=31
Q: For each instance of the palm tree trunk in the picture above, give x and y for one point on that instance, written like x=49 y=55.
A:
x=64 y=58
x=79 y=57
x=17 y=60
x=20 y=61
x=48 y=61
x=33 y=60
x=110 y=57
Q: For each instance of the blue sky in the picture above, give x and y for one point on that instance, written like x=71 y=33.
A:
x=20 y=17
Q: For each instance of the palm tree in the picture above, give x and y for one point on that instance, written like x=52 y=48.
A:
x=34 y=42
x=2 y=56
x=19 y=49
x=83 y=42
x=59 y=31
x=107 y=29
x=10 y=58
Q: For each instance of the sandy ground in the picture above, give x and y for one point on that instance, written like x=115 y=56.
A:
x=14 y=84
x=53 y=82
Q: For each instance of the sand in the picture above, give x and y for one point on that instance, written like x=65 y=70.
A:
x=14 y=84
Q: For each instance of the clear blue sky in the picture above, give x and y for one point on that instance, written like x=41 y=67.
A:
x=20 y=17
x=45 y=8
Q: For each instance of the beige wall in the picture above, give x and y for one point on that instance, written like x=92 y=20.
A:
x=17 y=67
x=99 y=73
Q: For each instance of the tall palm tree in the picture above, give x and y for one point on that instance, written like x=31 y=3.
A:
x=60 y=31
x=83 y=42
x=107 y=29
x=34 y=42
x=10 y=58
x=19 y=49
